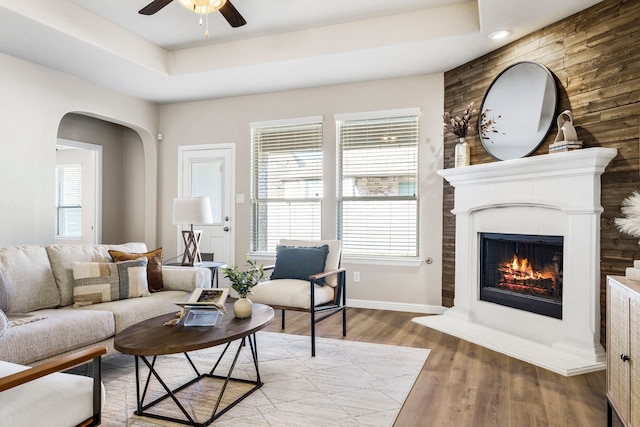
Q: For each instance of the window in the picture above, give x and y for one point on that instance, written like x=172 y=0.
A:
x=286 y=173
x=378 y=183
x=69 y=200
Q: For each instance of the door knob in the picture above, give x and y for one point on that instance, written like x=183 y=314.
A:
x=226 y=229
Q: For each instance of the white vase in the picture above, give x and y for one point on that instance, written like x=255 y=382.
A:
x=462 y=154
x=242 y=308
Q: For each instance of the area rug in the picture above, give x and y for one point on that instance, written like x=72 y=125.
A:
x=348 y=383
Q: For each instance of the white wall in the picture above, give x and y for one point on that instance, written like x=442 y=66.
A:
x=34 y=101
x=133 y=192
x=227 y=121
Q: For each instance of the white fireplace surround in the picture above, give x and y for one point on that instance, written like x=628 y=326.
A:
x=556 y=194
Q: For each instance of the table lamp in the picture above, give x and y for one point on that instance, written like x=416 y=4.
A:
x=191 y=210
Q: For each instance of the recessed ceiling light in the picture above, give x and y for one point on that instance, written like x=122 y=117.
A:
x=499 y=35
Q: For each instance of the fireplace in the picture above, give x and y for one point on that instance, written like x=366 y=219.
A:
x=522 y=271
x=545 y=209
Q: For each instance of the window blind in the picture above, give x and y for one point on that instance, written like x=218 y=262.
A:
x=286 y=183
x=378 y=186
x=69 y=200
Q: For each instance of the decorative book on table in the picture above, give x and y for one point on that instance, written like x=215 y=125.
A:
x=205 y=307
x=207 y=297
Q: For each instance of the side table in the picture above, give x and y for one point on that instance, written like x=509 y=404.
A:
x=211 y=265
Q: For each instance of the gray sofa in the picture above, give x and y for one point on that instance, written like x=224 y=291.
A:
x=38 y=281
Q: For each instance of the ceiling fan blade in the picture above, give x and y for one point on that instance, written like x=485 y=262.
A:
x=153 y=7
x=232 y=15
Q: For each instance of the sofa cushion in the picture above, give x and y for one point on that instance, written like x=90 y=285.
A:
x=62 y=331
x=299 y=263
x=131 y=311
x=48 y=394
x=96 y=282
x=17 y=319
x=28 y=278
x=290 y=293
x=154 y=267
x=63 y=256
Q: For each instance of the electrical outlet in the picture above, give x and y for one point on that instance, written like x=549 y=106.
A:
x=356 y=276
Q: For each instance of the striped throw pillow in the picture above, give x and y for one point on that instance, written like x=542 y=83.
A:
x=96 y=282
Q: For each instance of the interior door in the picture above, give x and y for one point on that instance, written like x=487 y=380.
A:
x=207 y=171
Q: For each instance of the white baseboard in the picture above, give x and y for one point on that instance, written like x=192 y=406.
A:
x=396 y=306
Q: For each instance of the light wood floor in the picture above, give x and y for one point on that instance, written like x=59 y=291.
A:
x=463 y=384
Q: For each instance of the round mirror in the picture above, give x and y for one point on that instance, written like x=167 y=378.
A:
x=518 y=111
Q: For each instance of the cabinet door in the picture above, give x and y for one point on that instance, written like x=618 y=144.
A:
x=634 y=362
x=617 y=344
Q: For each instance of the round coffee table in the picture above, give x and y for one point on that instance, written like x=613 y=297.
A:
x=150 y=339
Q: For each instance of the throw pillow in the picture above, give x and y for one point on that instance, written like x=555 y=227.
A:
x=95 y=282
x=154 y=267
x=4 y=294
x=299 y=263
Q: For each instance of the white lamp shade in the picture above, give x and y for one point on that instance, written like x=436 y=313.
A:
x=192 y=210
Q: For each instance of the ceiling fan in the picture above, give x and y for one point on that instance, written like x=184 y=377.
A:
x=227 y=10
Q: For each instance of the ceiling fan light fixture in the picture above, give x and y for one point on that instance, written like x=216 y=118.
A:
x=203 y=6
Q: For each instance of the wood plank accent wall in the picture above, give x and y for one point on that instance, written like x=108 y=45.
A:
x=595 y=58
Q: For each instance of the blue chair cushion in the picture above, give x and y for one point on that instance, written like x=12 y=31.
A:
x=299 y=263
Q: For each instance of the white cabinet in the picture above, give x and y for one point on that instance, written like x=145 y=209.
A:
x=623 y=350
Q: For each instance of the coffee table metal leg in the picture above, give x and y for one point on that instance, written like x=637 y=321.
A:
x=169 y=393
x=254 y=352
x=142 y=407
x=138 y=401
x=257 y=383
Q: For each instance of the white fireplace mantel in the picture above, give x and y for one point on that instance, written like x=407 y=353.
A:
x=558 y=164
x=556 y=194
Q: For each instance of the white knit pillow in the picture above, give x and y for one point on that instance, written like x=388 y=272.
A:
x=4 y=322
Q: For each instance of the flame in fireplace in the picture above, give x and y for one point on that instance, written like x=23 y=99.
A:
x=523 y=269
x=519 y=274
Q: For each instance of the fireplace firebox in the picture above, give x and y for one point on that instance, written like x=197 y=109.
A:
x=522 y=271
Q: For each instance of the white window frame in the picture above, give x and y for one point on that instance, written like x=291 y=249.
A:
x=263 y=237
x=61 y=207
x=343 y=196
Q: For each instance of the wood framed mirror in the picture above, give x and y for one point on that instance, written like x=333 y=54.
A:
x=524 y=96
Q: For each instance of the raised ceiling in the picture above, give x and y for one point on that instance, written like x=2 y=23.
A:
x=286 y=44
